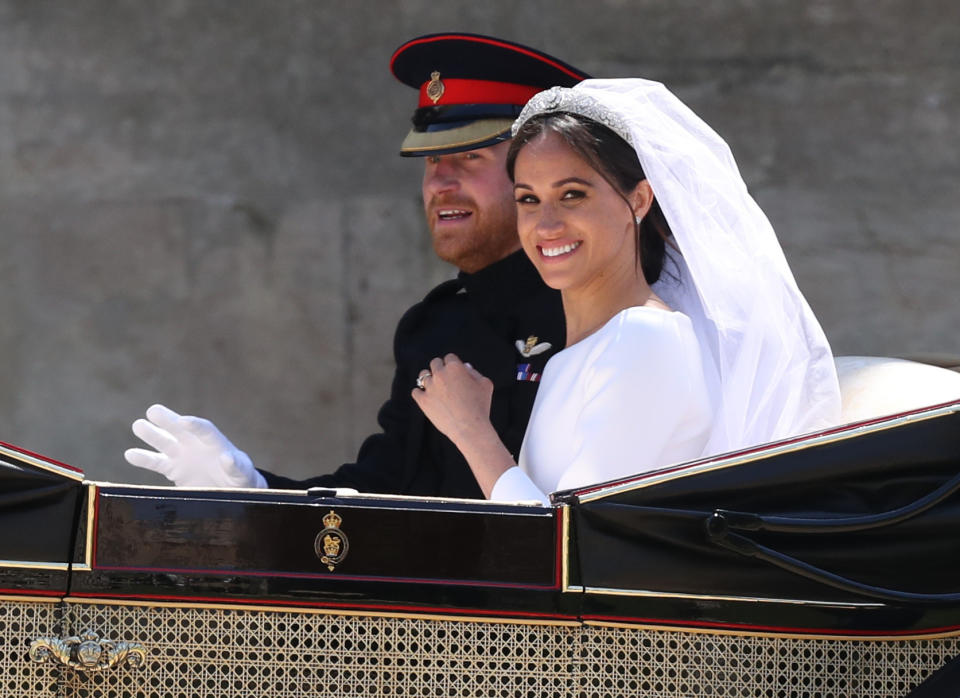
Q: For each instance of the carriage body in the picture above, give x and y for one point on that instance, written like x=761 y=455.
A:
x=628 y=588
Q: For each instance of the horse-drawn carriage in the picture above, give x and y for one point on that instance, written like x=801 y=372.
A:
x=825 y=565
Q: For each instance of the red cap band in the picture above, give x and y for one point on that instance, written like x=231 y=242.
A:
x=461 y=91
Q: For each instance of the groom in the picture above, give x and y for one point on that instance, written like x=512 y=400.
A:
x=497 y=314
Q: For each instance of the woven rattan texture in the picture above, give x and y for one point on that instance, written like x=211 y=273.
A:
x=221 y=653
x=20 y=623
x=628 y=662
x=226 y=652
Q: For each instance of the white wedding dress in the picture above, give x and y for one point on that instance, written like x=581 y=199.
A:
x=631 y=397
x=742 y=362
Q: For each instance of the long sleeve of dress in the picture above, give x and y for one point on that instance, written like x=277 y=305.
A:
x=632 y=398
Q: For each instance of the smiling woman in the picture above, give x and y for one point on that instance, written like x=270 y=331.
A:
x=686 y=333
x=582 y=231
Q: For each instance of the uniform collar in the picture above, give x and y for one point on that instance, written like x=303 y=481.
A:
x=500 y=285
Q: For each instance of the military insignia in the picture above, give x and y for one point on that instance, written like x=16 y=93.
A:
x=532 y=346
x=331 y=544
x=435 y=89
x=526 y=373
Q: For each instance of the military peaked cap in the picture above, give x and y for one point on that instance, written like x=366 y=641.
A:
x=471 y=87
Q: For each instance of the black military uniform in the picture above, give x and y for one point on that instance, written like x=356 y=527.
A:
x=502 y=319
x=490 y=319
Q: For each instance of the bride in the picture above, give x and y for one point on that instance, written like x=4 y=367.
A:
x=686 y=333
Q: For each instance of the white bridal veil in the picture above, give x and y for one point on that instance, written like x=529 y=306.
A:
x=777 y=376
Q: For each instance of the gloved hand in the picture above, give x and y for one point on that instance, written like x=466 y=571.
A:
x=191 y=452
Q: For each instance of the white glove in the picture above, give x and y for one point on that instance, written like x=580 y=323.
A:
x=191 y=452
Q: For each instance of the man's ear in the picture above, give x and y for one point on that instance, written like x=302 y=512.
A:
x=641 y=198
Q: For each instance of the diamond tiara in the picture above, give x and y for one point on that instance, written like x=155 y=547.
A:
x=570 y=100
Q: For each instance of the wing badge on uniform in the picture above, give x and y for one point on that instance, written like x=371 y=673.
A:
x=532 y=346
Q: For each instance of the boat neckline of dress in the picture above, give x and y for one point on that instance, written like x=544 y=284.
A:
x=618 y=314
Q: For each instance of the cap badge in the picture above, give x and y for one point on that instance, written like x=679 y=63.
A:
x=532 y=346
x=435 y=89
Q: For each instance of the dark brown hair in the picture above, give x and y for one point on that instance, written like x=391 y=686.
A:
x=616 y=161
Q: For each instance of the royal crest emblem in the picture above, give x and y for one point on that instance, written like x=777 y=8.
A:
x=531 y=346
x=435 y=88
x=331 y=544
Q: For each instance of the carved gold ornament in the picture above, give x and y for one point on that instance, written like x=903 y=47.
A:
x=88 y=652
x=436 y=88
x=331 y=544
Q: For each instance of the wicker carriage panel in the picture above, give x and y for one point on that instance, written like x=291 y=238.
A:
x=233 y=652
x=228 y=652
x=635 y=663
x=20 y=623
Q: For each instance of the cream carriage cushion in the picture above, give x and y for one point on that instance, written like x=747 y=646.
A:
x=874 y=386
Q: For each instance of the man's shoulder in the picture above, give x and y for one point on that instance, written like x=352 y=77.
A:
x=441 y=292
x=438 y=308
x=444 y=294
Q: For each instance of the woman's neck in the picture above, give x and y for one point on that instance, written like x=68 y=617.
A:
x=588 y=309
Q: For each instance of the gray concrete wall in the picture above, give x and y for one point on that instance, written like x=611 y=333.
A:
x=201 y=204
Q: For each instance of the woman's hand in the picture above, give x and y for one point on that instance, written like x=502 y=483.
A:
x=456 y=398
